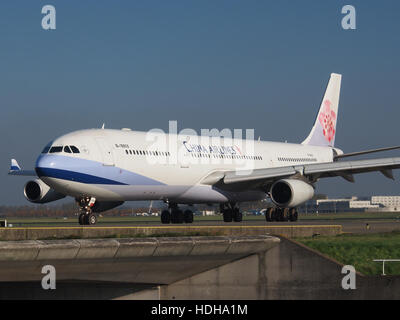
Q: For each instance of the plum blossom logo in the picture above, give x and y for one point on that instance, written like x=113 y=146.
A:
x=327 y=118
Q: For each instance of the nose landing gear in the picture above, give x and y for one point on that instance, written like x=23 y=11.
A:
x=87 y=217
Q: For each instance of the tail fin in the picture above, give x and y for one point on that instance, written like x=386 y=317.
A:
x=14 y=165
x=324 y=129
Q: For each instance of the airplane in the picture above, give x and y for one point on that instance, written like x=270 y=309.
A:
x=103 y=168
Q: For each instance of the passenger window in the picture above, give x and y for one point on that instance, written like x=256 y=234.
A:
x=67 y=149
x=74 y=149
x=56 y=149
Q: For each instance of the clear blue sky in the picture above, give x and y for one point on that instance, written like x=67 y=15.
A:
x=208 y=64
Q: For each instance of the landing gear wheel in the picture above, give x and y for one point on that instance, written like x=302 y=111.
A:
x=275 y=214
x=237 y=215
x=293 y=214
x=82 y=219
x=227 y=213
x=165 y=217
x=188 y=216
x=280 y=214
x=86 y=205
x=177 y=216
x=85 y=219
x=268 y=214
x=91 y=219
x=285 y=214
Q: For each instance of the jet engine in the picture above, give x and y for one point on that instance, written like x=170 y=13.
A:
x=291 y=192
x=37 y=191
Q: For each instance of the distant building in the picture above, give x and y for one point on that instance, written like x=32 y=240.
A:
x=390 y=203
x=362 y=204
x=338 y=205
x=308 y=207
x=335 y=205
x=208 y=212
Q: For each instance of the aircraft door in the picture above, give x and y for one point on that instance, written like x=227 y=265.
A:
x=106 y=152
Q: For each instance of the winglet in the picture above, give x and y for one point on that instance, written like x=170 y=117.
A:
x=14 y=166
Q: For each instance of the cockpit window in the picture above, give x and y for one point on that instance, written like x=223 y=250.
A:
x=47 y=147
x=74 y=149
x=56 y=149
x=67 y=149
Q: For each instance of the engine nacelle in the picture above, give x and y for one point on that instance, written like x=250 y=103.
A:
x=291 y=192
x=37 y=191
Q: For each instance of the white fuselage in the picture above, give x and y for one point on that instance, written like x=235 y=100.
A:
x=122 y=165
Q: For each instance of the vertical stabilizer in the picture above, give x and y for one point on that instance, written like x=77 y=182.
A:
x=324 y=129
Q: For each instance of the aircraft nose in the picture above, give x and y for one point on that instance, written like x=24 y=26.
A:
x=44 y=163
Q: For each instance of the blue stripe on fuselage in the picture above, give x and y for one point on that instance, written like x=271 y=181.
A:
x=73 y=168
x=74 y=176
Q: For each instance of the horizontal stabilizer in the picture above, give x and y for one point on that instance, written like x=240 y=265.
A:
x=15 y=170
x=359 y=153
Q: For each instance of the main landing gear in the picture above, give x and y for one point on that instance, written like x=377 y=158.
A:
x=87 y=217
x=281 y=214
x=176 y=215
x=231 y=212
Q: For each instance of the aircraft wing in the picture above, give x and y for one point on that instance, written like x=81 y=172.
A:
x=314 y=171
x=15 y=170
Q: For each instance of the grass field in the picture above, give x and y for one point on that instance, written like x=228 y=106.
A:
x=360 y=250
x=350 y=215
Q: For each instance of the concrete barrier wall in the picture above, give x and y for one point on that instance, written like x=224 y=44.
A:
x=287 y=271
x=46 y=233
x=38 y=250
x=206 y=268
